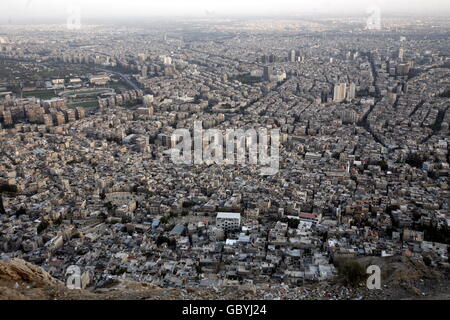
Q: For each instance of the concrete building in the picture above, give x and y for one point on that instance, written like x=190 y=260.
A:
x=228 y=221
x=339 y=92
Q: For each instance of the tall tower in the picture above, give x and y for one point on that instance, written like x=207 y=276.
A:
x=339 y=92
x=351 y=91
x=292 y=56
x=336 y=93
x=264 y=58
x=401 y=53
x=272 y=58
x=267 y=73
x=144 y=71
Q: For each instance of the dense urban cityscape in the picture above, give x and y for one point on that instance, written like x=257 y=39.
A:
x=88 y=117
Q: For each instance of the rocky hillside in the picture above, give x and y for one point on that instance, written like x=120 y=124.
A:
x=402 y=278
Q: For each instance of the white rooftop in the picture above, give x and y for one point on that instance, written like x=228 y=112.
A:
x=228 y=215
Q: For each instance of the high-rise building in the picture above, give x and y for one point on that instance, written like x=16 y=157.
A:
x=272 y=58
x=169 y=70
x=144 y=71
x=403 y=69
x=267 y=73
x=351 y=92
x=264 y=58
x=339 y=92
x=167 y=60
x=292 y=56
x=48 y=121
x=324 y=97
x=405 y=87
x=348 y=116
x=69 y=115
x=392 y=96
x=80 y=113
x=401 y=53
x=392 y=68
x=142 y=57
x=7 y=117
x=59 y=118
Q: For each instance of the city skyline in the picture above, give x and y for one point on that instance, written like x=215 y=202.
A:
x=189 y=151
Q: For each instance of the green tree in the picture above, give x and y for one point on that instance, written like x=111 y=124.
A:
x=165 y=220
x=352 y=273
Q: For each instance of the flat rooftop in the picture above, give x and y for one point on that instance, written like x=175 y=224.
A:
x=229 y=215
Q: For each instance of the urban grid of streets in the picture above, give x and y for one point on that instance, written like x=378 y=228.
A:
x=87 y=118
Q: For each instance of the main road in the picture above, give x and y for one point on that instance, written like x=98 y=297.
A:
x=123 y=76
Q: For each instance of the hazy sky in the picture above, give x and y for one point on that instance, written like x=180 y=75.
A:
x=59 y=9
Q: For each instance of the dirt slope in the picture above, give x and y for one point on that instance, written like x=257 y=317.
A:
x=402 y=278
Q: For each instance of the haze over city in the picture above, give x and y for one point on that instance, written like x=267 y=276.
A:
x=253 y=151
x=26 y=11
